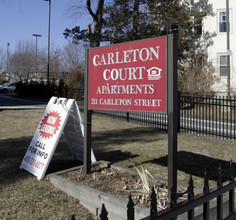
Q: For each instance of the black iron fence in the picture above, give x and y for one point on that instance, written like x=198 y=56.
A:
x=214 y=116
x=203 y=115
x=211 y=202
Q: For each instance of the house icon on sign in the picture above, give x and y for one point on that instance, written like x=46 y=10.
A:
x=154 y=73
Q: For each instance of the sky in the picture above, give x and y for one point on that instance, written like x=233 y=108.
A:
x=19 y=19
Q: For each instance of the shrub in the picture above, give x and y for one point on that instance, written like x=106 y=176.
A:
x=40 y=89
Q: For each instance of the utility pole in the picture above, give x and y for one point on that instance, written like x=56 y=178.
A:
x=8 y=44
x=36 y=59
x=228 y=47
x=49 y=21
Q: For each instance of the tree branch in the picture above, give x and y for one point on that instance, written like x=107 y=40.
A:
x=88 y=5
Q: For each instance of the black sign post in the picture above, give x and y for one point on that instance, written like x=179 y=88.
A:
x=87 y=122
x=172 y=117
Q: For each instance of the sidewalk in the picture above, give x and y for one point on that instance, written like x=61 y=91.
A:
x=30 y=103
x=22 y=107
x=20 y=103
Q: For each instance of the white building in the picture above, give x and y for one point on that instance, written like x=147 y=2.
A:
x=214 y=40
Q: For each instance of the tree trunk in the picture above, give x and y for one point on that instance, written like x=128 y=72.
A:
x=135 y=19
x=95 y=36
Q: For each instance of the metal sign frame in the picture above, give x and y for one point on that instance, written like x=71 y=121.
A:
x=172 y=111
x=172 y=100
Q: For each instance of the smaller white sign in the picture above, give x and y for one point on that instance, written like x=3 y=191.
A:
x=60 y=114
x=154 y=73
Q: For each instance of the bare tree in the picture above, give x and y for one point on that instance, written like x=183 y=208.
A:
x=94 y=32
x=198 y=78
x=2 y=59
x=56 y=66
x=73 y=55
x=73 y=64
x=2 y=65
x=22 y=60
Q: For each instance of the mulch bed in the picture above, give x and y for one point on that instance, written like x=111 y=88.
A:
x=122 y=183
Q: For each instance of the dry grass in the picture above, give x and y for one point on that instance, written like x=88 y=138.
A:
x=22 y=196
x=117 y=141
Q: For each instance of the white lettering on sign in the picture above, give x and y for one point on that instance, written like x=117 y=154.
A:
x=127 y=56
x=130 y=73
x=48 y=128
x=51 y=120
x=127 y=102
x=115 y=101
x=147 y=102
x=126 y=89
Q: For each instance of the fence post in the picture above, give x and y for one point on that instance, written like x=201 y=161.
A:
x=66 y=91
x=104 y=214
x=206 y=190
x=173 y=198
x=130 y=209
x=179 y=95
x=153 y=208
x=219 y=198
x=190 y=197
x=231 y=192
x=127 y=116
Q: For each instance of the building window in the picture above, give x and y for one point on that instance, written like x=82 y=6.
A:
x=223 y=21
x=174 y=29
x=197 y=31
x=223 y=68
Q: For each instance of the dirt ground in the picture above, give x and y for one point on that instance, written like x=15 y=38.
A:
x=121 y=183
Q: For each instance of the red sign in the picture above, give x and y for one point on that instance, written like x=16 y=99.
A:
x=129 y=76
x=50 y=124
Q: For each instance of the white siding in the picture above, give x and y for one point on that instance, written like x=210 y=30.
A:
x=219 y=47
